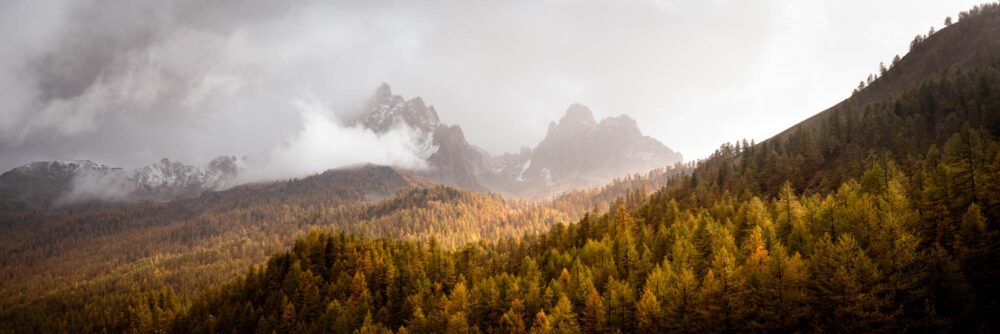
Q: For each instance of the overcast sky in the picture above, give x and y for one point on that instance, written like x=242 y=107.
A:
x=129 y=82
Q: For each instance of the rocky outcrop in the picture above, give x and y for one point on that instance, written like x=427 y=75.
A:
x=578 y=151
x=454 y=162
x=579 y=147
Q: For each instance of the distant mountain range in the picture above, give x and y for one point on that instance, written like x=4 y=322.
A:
x=580 y=152
x=577 y=152
x=878 y=214
x=44 y=184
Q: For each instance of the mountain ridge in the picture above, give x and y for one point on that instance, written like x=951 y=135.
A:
x=577 y=152
x=955 y=47
x=564 y=160
x=44 y=184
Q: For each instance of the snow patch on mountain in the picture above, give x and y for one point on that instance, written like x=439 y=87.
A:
x=520 y=176
x=578 y=151
x=161 y=181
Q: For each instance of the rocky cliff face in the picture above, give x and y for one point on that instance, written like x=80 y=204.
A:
x=454 y=162
x=578 y=151
x=578 y=148
x=46 y=184
x=384 y=111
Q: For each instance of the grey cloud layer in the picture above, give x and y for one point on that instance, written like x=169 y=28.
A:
x=126 y=83
x=129 y=82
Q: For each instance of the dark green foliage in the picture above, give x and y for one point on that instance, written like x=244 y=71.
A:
x=882 y=215
x=879 y=218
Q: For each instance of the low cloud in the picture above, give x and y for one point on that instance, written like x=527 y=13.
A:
x=97 y=185
x=324 y=142
x=126 y=84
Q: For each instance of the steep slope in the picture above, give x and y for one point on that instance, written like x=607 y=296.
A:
x=385 y=111
x=972 y=42
x=578 y=151
x=944 y=87
x=453 y=161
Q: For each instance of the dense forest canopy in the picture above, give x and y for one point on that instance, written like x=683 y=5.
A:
x=878 y=215
x=879 y=218
x=77 y=262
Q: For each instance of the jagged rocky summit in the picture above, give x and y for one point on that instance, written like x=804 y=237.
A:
x=577 y=152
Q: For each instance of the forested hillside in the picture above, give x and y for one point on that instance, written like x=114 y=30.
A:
x=62 y=269
x=881 y=218
x=878 y=215
x=955 y=47
x=59 y=259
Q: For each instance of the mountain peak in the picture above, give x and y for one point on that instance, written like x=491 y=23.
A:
x=386 y=110
x=621 y=124
x=578 y=150
x=417 y=103
x=383 y=90
x=578 y=113
x=577 y=121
